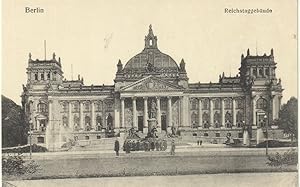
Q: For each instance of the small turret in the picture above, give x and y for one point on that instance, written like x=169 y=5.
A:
x=272 y=52
x=119 y=66
x=182 y=65
x=248 y=52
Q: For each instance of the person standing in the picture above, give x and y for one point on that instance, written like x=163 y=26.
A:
x=173 y=147
x=117 y=147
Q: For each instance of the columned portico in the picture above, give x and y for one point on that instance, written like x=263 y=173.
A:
x=158 y=117
x=70 y=121
x=254 y=111
x=134 y=116
x=200 y=112
x=145 y=112
x=81 y=115
x=222 y=113
x=93 y=116
x=233 y=112
x=211 y=114
x=170 y=111
x=122 y=113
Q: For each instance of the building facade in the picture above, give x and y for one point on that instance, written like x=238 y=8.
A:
x=60 y=109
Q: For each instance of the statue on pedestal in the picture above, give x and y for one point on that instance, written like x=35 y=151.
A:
x=153 y=110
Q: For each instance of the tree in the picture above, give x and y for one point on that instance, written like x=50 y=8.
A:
x=288 y=118
x=14 y=128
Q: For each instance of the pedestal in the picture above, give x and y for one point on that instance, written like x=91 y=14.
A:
x=259 y=135
x=151 y=124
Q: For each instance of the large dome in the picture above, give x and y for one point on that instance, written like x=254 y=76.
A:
x=151 y=59
x=157 y=59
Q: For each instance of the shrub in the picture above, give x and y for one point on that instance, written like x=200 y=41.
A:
x=287 y=158
x=15 y=165
x=26 y=149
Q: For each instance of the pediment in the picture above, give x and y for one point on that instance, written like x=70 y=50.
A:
x=151 y=83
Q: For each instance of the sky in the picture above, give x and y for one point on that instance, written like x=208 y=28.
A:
x=93 y=35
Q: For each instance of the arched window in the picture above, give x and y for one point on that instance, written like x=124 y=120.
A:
x=99 y=123
x=267 y=72
x=205 y=104
x=76 y=122
x=239 y=119
x=228 y=120
x=76 y=107
x=86 y=107
x=64 y=107
x=261 y=72
x=194 y=104
x=261 y=104
x=36 y=76
x=42 y=76
x=42 y=107
x=99 y=107
x=217 y=104
x=254 y=72
x=228 y=103
x=194 y=119
x=48 y=76
x=205 y=118
x=150 y=42
x=217 y=119
x=65 y=121
x=87 y=122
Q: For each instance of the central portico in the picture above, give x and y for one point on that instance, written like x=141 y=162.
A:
x=151 y=93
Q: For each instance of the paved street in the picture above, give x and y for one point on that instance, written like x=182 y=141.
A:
x=287 y=179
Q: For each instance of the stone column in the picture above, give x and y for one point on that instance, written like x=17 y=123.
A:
x=103 y=115
x=122 y=112
x=134 y=120
x=93 y=121
x=222 y=113
x=158 y=117
x=254 y=111
x=181 y=111
x=50 y=115
x=145 y=112
x=170 y=111
x=233 y=112
x=37 y=125
x=211 y=113
x=199 y=112
x=81 y=115
x=274 y=111
x=70 y=123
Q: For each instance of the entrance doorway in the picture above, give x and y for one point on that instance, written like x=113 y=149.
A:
x=164 y=122
x=140 y=123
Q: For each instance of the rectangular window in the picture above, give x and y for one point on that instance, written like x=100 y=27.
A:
x=87 y=137
x=217 y=134
x=42 y=76
x=40 y=140
x=98 y=137
x=240 y=135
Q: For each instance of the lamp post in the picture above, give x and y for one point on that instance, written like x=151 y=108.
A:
x=30 y=138
x=266 y=125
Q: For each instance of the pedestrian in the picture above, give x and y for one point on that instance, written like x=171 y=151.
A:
x=173 y=147
x=200 y=142
x=117 y=147
x=127 y=147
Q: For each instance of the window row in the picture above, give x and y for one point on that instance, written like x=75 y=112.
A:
x=45 y=76
x=228 y=104
x=217 y=119
x=87 y=107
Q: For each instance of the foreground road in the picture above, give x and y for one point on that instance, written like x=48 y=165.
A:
x=288 y=179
